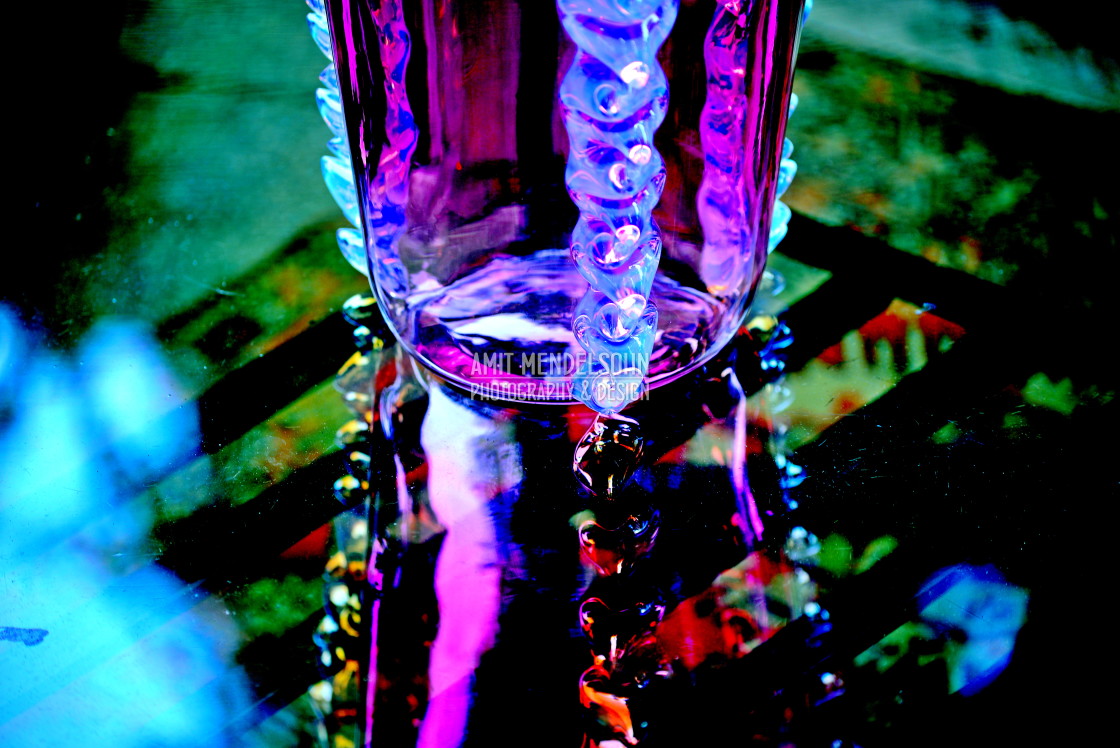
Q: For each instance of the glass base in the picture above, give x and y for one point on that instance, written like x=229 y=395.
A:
x=505 y=329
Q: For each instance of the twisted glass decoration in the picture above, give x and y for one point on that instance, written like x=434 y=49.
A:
x=388 y=191
x=726 y=261
x=613 y=98
x=337 y=172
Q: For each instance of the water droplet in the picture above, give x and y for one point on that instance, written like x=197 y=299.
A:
x=358 y=462
x=359 y=309
x=614 y=551
x=612 y=250
x=606 y=99
x=635 y=75
x=632 y=305
x=363 y=338
x=617 y=175
x=607 y=455
x=349 y=489
x=640 y=154
x=628 y=233
x=611 y=323
x=352 y=432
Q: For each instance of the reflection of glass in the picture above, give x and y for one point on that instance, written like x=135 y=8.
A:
x=512 y=602
x=459 y=119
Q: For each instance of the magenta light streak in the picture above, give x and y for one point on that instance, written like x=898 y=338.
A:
x=464 y=476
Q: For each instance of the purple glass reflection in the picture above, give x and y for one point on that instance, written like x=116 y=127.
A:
x=463 y=196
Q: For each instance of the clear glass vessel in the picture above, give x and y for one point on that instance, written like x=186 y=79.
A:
x=536 y=186
x=519 y=171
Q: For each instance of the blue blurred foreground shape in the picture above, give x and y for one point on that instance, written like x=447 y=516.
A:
x=99 y=645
